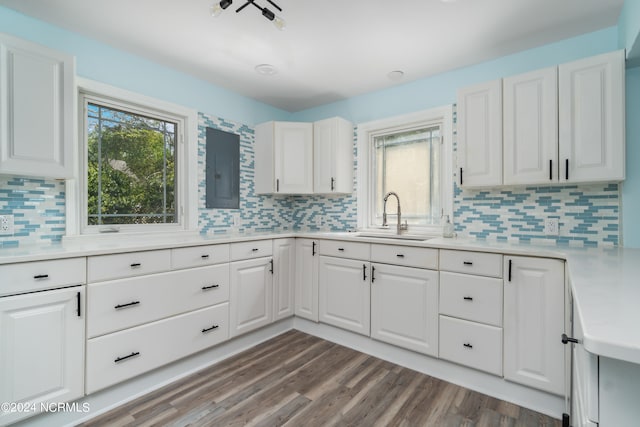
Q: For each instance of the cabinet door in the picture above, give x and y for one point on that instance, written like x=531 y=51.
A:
x=284 y=275
x=293 y=161
x=480 y=135
x=333 y=156
x=36 y=108
x=251 y=297
x=534 y=322
x=404 y=307
x=344 y=293
x=306 y=294
x=531 y=127
x=592 y=119
x=41 y=348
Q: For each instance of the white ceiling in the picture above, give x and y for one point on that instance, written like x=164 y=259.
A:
x=330 y=49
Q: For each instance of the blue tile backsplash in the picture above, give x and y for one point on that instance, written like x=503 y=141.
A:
x=589 y=215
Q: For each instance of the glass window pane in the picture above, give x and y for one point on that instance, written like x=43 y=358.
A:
x=131 y=168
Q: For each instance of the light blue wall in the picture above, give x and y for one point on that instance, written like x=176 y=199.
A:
x=100 y=62
x=629 y=29
x=441 y=89
x=631 y=186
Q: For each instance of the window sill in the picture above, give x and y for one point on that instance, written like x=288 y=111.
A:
x=131 y=236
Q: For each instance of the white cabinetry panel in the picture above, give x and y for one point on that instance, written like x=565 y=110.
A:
x=251 y=300
x=306 y=292
x=284 y=276
x=333 y=156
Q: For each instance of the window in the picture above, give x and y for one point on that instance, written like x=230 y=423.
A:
x=138 y=164
x=411 y=156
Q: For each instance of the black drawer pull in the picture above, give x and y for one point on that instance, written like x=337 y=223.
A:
x=131 y=304
x=134 y=354
x=254 y=250
x=204 y=256
x=400 y=255
x=135 y=265
x=341 y=249
x=468 y=298
x=467 y=345
x=205 y=330
x=41 y=276
x=566 y=339
x=206 y=288
x=467 y=263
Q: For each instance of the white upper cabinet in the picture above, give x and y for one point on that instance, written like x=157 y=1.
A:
x=592 y=140
x=284 y=158
x=480 y=135
x=531 y=127
x=36 y=110
x=333 y=156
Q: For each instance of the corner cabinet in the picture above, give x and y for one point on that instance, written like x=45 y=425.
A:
x=306 y=291
x=41 y=349
x=36 y=110
x=592 y=135
x=284 y=277
x=284 y=158
x=534 y=321
x=333 y=156
x=480 y=135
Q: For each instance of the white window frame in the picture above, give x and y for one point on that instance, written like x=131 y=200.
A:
x=366 y=159
x=186 y=165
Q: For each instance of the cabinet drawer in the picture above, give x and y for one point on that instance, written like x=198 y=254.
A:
x=120 y=304
x=33 y=276
x=480 y=263
x=475 y=298
x=253 y=249
x=342 y=249
x=198 y=256
x=122 y=355
x=116 y=266
x=471 y=344
x=405 y=255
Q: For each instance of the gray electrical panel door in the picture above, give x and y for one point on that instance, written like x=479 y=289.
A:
x=223 y=170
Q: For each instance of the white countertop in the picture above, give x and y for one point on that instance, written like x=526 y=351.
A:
x=605 y=282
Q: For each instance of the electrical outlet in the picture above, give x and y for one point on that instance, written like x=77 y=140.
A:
x=6 y=225
x=551 y=227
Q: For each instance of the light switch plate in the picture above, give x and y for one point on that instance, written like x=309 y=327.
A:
x=551 y=227
x=6 y=225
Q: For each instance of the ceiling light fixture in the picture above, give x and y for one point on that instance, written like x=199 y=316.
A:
x=278 y=22
x=396 y=75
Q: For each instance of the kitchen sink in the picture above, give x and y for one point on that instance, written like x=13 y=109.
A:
x=392 y=236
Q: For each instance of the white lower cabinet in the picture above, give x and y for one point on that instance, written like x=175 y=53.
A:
x=306 y=288
x=284 y=276
x=404 y=307
x=116 y=357
x=345 y=297
x=41 y=349
x=251 y=299
x=534 y=322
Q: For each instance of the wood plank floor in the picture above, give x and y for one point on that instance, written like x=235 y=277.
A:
x=297 y=379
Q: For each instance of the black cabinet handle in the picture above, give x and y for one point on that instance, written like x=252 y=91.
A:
x=206 y=256
x=467 y=345
x=566 y=339
x=364 y=271
x=373 y=272
x=341 y=249
x=550 y=170
x=271 y=266
x=467 y=262
x=467 y=298
x=566 y=169
x=205 y=330
x=400 y=255
x=333 y=183
x=131 y=304
x=206 y=288
x=313 y=248
x=135 y=265
x=255 y=250
x=41 y=276
x=120 y=359
x=460 y=176
x=510 y=270
x=277 y=185
x=78 y=302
